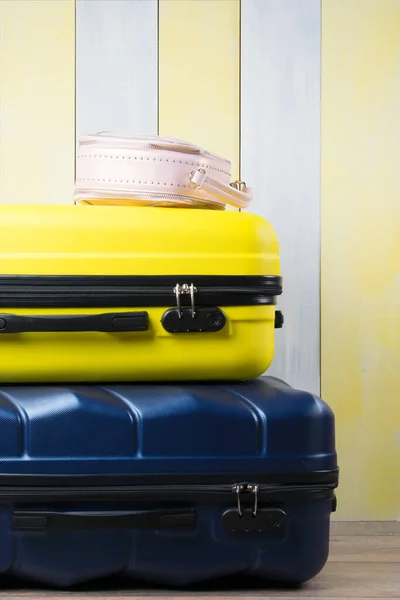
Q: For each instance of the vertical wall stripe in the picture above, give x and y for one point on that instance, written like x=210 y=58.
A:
x=199 y=74
x=281 y=162
x=37 y=91
x=361 y=249
x=116 y=66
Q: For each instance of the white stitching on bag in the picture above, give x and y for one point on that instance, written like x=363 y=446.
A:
x=133 y=181
x=195 y=164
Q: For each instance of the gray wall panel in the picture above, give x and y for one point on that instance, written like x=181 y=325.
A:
x=116 y=66
x=280 y=154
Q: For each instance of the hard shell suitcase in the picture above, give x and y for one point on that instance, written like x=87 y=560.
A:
x=125 y=294
x=171 y=484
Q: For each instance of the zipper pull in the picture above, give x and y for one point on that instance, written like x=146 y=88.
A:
x=180 y=290
x=242 y=488
x=238 y=488
x=254 y=489
x=236 y=194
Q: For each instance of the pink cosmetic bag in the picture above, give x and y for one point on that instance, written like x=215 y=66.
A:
x=154 y=171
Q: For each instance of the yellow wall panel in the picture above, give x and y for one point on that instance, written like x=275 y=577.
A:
x=199 y=52
x=37 y=97
x=360 y=275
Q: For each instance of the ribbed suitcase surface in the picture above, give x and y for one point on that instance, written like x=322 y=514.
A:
x=168 y=484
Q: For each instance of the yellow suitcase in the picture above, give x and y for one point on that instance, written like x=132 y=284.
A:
x=135 y=294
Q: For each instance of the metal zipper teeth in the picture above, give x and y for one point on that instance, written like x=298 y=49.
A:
x=137 y=195
x=88 y=194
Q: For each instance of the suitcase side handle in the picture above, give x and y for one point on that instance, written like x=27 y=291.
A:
x=279 y=319
x=107 y=323
x=159 y=520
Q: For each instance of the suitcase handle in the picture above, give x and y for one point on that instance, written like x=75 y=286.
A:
x=279 y=320
x=159 y=520
x=107 y=322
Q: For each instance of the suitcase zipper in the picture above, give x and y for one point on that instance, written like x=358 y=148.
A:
x=145 y=197
x=237 y=194
x=156 y=493
x=129 y=292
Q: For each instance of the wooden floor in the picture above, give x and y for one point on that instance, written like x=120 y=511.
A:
x=364 y=563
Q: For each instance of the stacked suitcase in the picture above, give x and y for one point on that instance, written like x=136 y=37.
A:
x=141 y=477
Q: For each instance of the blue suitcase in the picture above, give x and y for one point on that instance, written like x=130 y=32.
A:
x=167 y=484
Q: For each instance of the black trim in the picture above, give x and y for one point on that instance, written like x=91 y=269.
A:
x=165 y=488
x=167 y=479
x=264 y=281
x=81 y=291
x=174 y=494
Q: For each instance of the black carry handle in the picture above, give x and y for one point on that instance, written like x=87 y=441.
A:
x=159 y=520
x=107 y=322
